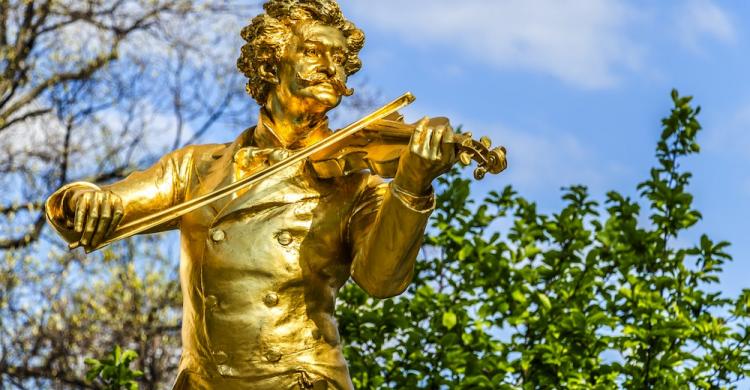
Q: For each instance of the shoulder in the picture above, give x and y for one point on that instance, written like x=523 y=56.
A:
x=197 y=155
x=200 y=152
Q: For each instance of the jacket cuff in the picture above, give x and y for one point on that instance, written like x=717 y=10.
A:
x=423 y=204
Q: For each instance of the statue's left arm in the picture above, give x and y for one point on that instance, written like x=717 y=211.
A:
x=387 y=225
x=385 y=233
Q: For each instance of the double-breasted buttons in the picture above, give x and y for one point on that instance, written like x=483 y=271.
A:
x=273 y=355
x=211 y=301
x=284 y=238
x=271 y=299
x=225 y=370
x=220 y=357
x=217 y=235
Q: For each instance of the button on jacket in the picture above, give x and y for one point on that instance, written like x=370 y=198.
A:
x=260 y=270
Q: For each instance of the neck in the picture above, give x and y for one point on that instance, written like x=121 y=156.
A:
x=292 y=122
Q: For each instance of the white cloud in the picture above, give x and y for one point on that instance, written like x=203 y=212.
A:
x=701 y=19
x=544 y=161
x=731 y=135
x=547 y=161
x=581 y=42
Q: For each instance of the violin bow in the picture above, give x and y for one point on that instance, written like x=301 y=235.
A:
x=176 y=211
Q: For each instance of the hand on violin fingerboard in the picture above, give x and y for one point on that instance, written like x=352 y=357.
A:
x=428 y=155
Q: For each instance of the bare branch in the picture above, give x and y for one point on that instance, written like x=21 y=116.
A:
x=80 y=74
x=25 y=116
x=12 y=209
x=28 y=238
x=4 y=9
x=22 y=373
x=215 y=115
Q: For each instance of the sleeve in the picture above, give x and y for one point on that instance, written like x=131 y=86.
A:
x=143 y=192
x=385 y=232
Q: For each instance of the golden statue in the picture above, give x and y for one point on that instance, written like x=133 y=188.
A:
x=274 y=223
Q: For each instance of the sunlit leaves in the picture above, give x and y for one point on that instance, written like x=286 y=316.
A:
x=114 y=372
x=594 y=296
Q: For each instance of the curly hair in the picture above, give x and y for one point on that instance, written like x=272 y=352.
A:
x=268 y=33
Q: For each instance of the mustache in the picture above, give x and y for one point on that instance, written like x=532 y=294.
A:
x=338 y=85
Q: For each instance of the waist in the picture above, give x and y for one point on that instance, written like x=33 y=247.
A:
x=321 y=360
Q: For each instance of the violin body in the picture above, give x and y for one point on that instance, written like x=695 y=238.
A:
x=378 y=147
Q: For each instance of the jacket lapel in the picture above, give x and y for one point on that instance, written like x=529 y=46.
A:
x=220 y=173
x=292 y=185
x=289 y=186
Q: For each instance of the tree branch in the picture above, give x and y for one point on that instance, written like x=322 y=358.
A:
x=28 y=115
x=22 y=373
x=4 y=7
x=81 y=74
x=28 y=238
x=16 y=208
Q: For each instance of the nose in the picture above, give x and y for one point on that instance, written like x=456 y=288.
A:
x=328 y=66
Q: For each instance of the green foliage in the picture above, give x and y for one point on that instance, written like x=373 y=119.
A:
x=595 y=296
x=114 y=372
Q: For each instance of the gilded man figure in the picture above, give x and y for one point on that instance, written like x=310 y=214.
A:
x=260 y=270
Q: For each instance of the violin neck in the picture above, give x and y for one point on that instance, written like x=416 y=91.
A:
x=386 y=128
x=397 y=130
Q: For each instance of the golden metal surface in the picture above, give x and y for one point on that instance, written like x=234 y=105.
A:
x=269 y=235
x=161 y=217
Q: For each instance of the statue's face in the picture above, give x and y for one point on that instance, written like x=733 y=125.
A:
x=311 y=72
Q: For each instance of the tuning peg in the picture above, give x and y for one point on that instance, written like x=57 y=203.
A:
x=479 y=173
x=485 y=141
x=465 y=158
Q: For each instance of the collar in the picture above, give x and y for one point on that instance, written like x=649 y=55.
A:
x=264 y=135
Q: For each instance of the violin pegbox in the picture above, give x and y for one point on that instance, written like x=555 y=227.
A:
x=488 y=160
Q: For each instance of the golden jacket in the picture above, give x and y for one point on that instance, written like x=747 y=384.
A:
x=260 y=270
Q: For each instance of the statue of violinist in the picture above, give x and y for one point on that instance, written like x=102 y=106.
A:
x=260 y=268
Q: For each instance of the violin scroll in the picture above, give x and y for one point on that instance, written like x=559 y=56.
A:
x=488 y=160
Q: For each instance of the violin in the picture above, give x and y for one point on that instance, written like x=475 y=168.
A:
x=378 y=146
x=373 y=142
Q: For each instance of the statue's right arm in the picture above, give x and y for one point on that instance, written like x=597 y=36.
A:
x=86 y=213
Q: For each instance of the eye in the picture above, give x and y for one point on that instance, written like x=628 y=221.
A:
x=339 y=58
x=311 y=52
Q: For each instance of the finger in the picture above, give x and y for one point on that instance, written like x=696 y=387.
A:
x=117 y=214
x=448 y=149
x=424 y=149
x=104 y=219
x=81 y=207
x=436 y=143
x=93 y=218
x=418 y=136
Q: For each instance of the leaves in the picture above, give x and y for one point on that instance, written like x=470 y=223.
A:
x=114 y=372
x=449 y=320
x=589 y=297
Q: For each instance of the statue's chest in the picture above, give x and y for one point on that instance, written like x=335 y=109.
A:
x=285 y=230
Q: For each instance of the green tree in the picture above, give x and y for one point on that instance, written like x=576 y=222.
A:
x=91 y=90
x=595 y=296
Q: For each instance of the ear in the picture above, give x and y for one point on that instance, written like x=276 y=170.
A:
x=268 y=73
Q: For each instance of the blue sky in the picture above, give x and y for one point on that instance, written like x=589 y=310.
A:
x=576 y=89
